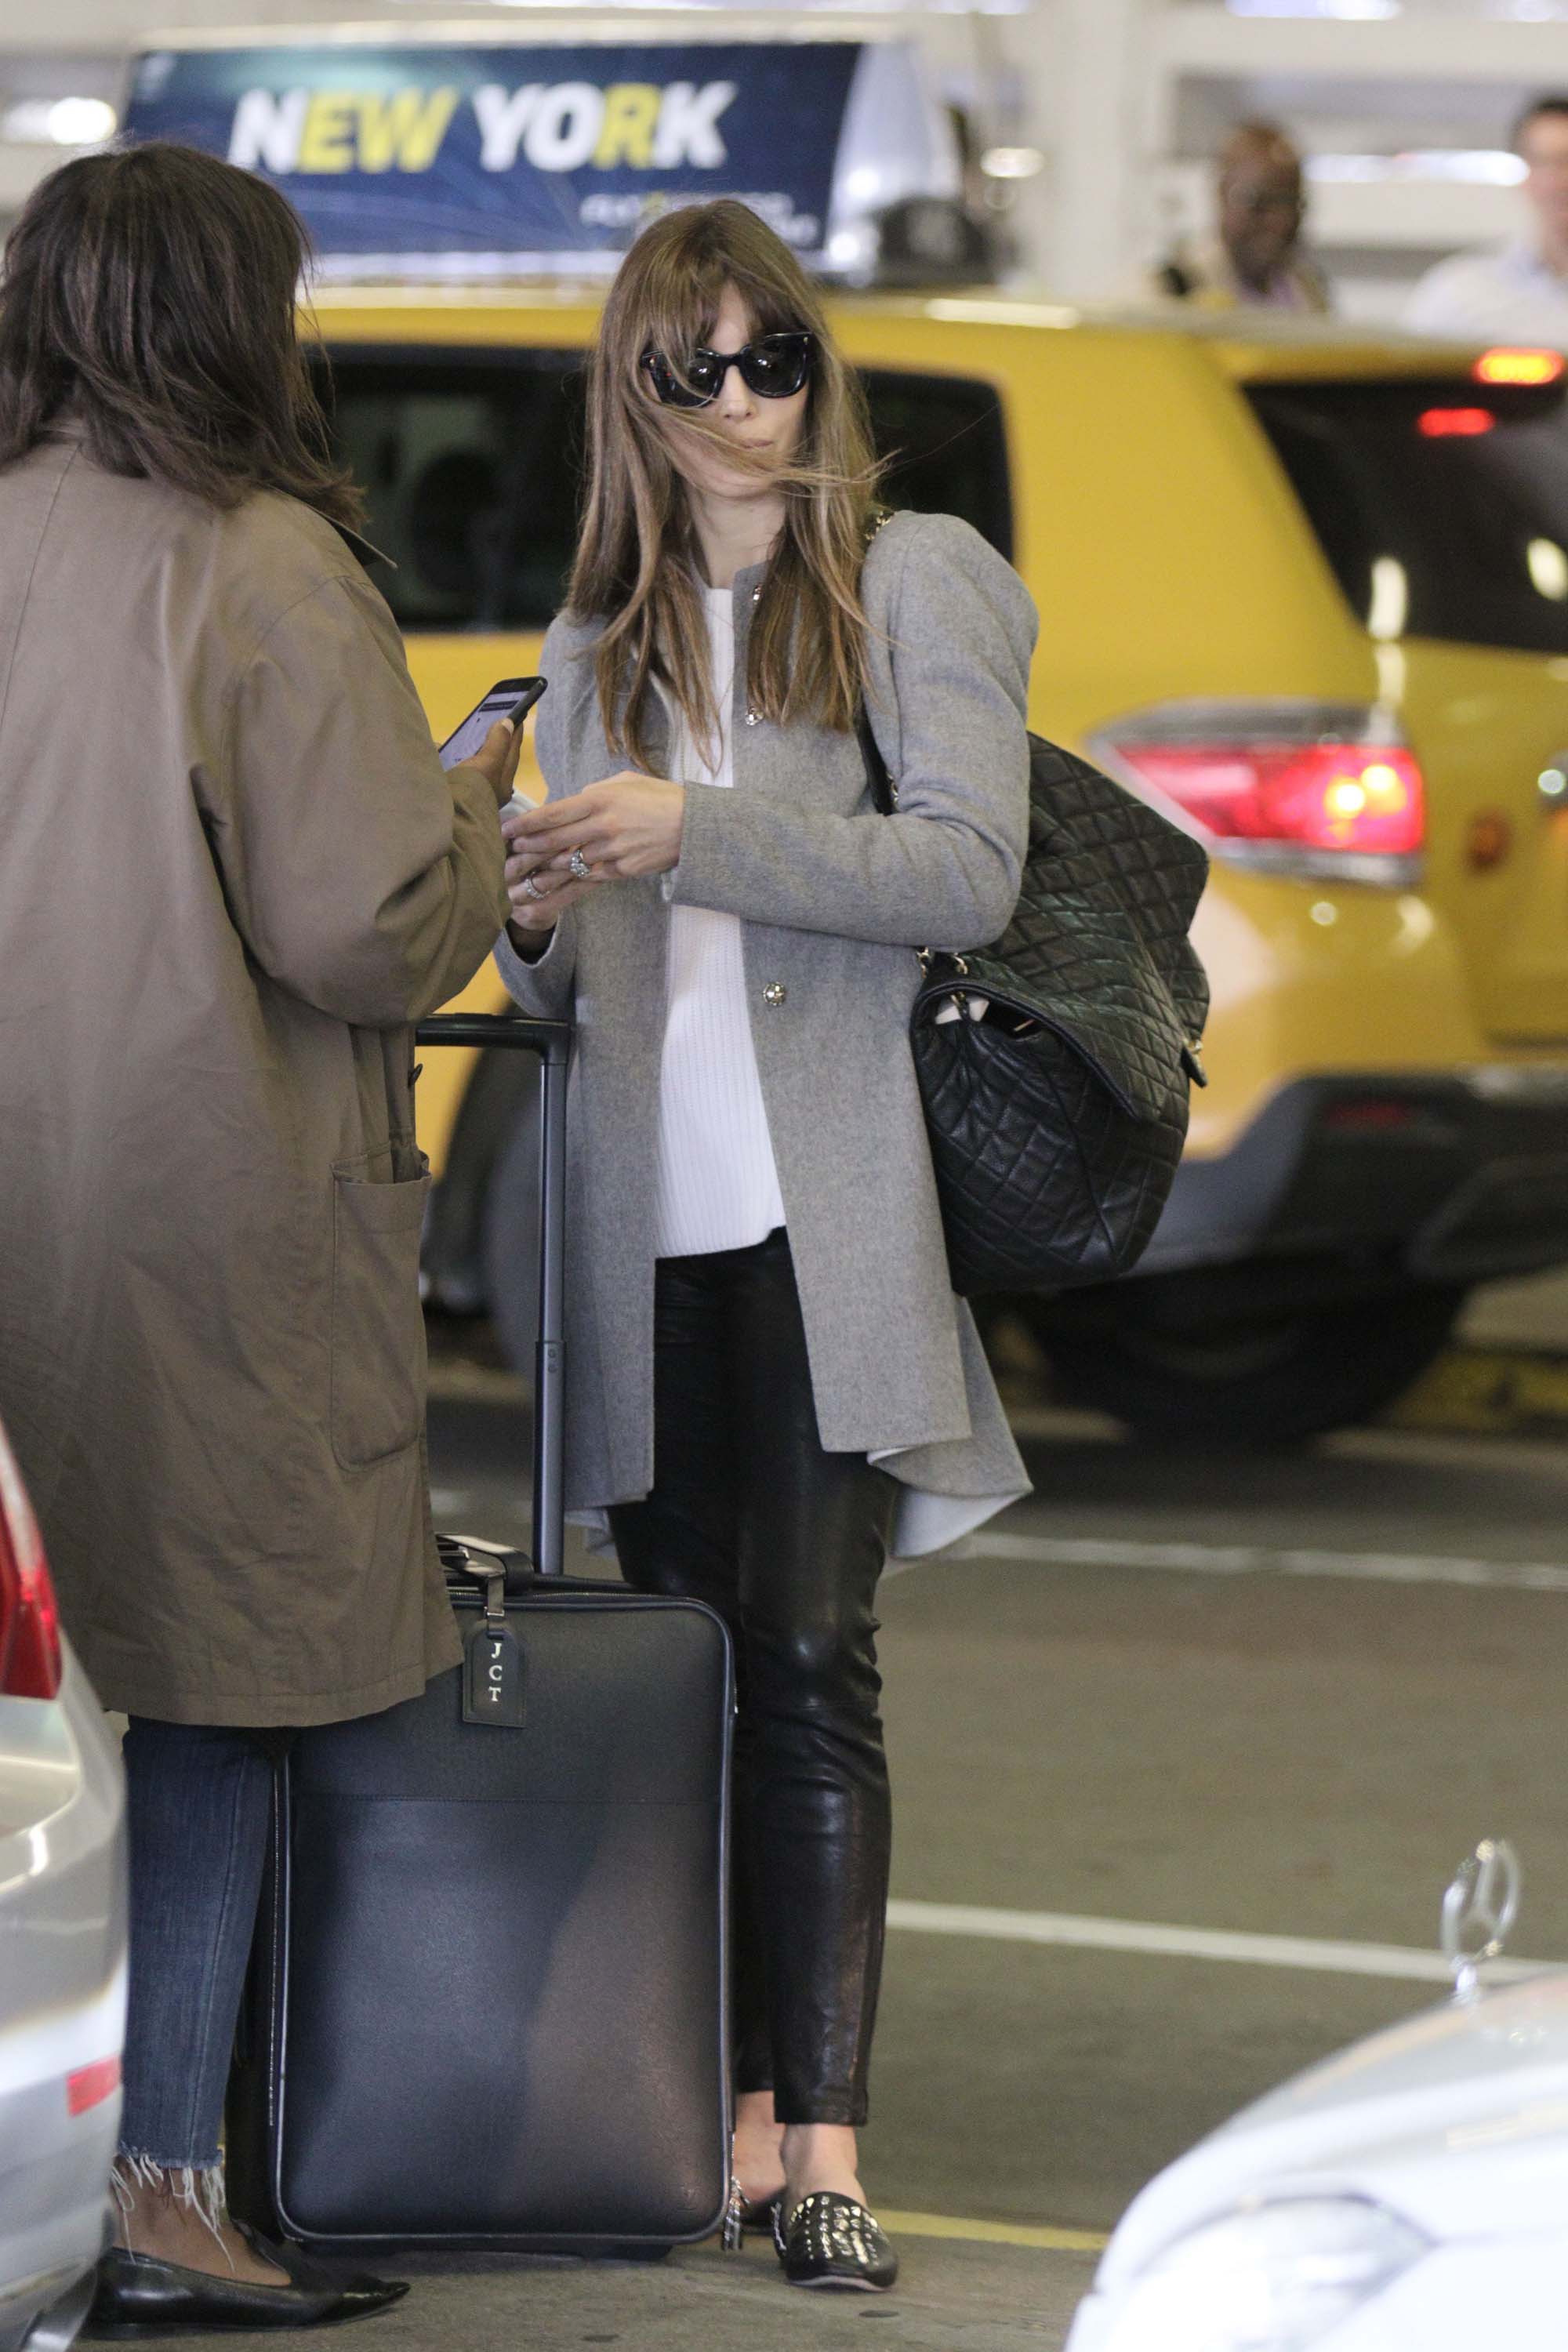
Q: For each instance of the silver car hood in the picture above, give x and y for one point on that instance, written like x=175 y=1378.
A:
x=1458 y=2118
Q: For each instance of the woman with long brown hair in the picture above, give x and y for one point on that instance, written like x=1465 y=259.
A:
x=769 y=1382
x=233 y=876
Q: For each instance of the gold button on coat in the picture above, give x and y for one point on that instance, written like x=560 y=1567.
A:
x=774 y=992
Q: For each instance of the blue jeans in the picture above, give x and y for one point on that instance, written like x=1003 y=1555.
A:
x=199 y=1799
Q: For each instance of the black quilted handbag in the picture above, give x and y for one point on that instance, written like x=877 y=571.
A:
x=1058 y=1120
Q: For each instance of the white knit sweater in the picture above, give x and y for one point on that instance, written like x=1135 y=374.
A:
x=718 y=1187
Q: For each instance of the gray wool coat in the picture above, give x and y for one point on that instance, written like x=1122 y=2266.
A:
x=833 y=899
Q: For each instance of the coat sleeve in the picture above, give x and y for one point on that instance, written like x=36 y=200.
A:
x=943 y=872
x=362 y=877
x=544 y=985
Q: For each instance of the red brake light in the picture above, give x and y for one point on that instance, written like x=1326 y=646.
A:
x=30 y=1663
x=1296 y=787
x=1505 y=366
x=1336 y=796
x=1365 y=1115
x=1443 y=424
x=90 y=2086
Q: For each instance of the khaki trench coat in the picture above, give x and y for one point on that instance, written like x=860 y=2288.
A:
x=832 y=898
x=232 y=874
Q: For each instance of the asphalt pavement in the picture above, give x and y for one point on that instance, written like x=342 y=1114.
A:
x=1185 y=1749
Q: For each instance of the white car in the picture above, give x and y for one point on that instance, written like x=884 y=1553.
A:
x=62 y=1952
x=1409 y=2195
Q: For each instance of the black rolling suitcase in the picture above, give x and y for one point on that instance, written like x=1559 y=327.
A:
x=487 y=2002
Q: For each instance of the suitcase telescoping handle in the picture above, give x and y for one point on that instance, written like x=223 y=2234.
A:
x=552 y=1041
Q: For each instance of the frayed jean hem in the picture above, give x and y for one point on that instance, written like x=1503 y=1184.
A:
x=199 y=2189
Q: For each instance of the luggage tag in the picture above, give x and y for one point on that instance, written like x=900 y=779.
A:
x=493 y=1664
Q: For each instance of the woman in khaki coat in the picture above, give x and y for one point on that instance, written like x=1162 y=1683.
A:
x=232 y=875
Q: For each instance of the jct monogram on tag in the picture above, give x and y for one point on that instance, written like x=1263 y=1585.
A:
x=493 y=1676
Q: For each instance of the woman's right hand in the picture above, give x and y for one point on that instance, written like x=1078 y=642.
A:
x=538 y=895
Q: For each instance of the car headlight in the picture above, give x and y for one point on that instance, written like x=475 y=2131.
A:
x=1273 y=2279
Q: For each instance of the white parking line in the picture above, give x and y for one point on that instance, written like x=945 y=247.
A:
x=1191 y=1558
x=1153 y=1936
x=1264 y=1559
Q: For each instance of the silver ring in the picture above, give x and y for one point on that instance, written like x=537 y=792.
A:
x=531 y=888
x=578 y=866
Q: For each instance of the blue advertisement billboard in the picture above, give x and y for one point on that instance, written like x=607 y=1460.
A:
x=514 y=155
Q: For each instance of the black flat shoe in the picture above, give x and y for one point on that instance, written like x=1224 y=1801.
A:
x=139 y=2296
x=304 y=2269
x=831 y=2241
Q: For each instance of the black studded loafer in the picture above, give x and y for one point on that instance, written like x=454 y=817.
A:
x=139 y=2296
x=830 y=2241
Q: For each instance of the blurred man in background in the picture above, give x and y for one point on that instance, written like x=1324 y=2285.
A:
x=1517 y=292
x=1257 y=259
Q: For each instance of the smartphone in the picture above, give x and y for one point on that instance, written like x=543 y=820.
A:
x=510 y=697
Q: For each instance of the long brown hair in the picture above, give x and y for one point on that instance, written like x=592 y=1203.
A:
x=150 y=292
x=636 y=566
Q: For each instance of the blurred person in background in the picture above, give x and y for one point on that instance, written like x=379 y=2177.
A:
x=1256 y=260
x=232 y=874
x=1517 y=292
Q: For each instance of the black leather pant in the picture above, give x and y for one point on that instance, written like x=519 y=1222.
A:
x=749 y=1514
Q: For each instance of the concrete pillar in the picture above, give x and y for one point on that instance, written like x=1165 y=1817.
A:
x=1093 y=70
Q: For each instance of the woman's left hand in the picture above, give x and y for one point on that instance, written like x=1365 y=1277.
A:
x=624 y=825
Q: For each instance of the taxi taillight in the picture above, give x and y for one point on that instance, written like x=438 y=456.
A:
x=1278 y=790
x=30 y=1663
x=1454 y=424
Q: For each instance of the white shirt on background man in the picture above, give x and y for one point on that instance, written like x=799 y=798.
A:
x=1506 y=295
x=1515 y=293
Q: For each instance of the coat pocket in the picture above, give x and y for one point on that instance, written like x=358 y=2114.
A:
x=378 y=1327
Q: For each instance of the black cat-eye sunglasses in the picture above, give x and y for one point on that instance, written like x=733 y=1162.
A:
x=774 y=367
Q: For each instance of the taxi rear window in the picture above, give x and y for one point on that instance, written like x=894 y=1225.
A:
x=471 y=462
x=1442 y=506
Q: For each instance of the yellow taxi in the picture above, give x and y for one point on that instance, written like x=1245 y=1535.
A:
x=1310 y=594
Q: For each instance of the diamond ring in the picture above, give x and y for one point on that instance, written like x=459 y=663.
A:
x=531 y=888
x=578 y=866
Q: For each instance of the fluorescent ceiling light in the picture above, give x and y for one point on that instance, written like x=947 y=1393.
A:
x=59 y=122
x=1491 y=167
x=1348 y=10
x=1011 y=162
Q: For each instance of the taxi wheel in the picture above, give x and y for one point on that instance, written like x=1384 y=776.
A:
x=1285 y=1375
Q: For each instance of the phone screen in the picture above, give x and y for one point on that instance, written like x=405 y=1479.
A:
x=511 y=697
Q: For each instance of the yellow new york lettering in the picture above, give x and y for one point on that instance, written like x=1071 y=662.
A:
x=405 y=129
x=631 y=117
x=326 y=142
